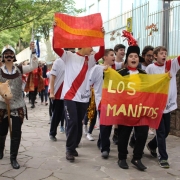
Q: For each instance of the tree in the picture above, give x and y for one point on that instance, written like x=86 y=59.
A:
x=18 y=17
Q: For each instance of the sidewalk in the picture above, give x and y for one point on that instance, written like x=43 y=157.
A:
x=42 y=159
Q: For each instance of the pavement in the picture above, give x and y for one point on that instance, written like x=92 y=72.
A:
x=42 y=159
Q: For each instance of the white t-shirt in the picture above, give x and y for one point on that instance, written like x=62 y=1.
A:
x=75 y=80
x=58 y=70
x=172 y=66
x=118 y=65
x=96 y=79
x=143 y=67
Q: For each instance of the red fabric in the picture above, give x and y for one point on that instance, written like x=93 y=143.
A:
x=113 y=66
x=58 y=93
x=99 y=54
x=68 y=38
x=59 y=51
x=46 y=81
x=132 y=69
x=35 y=77
x=24 y=78
x=158 y=64
x=178 y=59
x=78 y=81
x=128 y=112
x=168 y=66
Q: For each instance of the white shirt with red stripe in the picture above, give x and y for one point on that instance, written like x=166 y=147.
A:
x=77 y=70
x=58 y=70
x=172 y=66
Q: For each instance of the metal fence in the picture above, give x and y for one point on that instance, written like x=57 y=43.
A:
x=158 y=28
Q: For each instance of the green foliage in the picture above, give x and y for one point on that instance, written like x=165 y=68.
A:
x=19 y=17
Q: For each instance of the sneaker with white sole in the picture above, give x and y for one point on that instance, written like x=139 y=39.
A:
x=61 y=129
x=85 y=129
x=90 y=137
x=163 y=163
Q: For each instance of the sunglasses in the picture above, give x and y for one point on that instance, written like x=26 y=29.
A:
x=10 y=57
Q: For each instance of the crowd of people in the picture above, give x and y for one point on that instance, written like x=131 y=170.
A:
x=69 y=84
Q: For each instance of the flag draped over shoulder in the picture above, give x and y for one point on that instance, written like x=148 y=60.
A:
x=78 y=32
x=133 y=100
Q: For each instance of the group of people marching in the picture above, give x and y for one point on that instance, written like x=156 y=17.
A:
x=76 y=73
x=71 y=79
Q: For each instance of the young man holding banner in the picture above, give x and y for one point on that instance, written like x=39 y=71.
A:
x=132 y=61
x=159 y=67
x=77 y=68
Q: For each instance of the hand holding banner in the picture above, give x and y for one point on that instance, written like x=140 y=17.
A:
x=78 y=32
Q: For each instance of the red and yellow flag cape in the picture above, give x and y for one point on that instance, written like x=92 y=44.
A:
x=133 y=100
x=72 y=32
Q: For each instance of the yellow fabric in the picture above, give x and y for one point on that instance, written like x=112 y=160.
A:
x=152 y=83
x=81 y=32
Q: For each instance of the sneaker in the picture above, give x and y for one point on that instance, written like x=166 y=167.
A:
x=105 y=154
x=163 y=163
x=61 y=129
x=85 y=130
x=123 y=164
x=52 y=138
x=152 y=151
x=138 y=164
x=90 y=137
x=70 y=157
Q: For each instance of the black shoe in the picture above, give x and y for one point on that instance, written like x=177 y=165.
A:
x=123 y=164
x=15 y=164
x=75 y=153
x=131 y=144
x=53 y=138
x=70 y=157
x=33 y=106
x=138 y=164
x=152 y=151
x=105 y=154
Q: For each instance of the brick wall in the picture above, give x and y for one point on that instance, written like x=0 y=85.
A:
x=175 y=116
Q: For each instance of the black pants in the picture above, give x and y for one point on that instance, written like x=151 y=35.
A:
x=74 y=114
x=161 y=134
x=104 y=138
x=16 y=125
x=33 y=95
x=50 y=107
x=57 y=116
x=123 y=138
x=93 y=122
x=104 y=135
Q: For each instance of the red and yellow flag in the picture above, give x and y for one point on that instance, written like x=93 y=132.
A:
x=78 y=32
x=133 y=100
